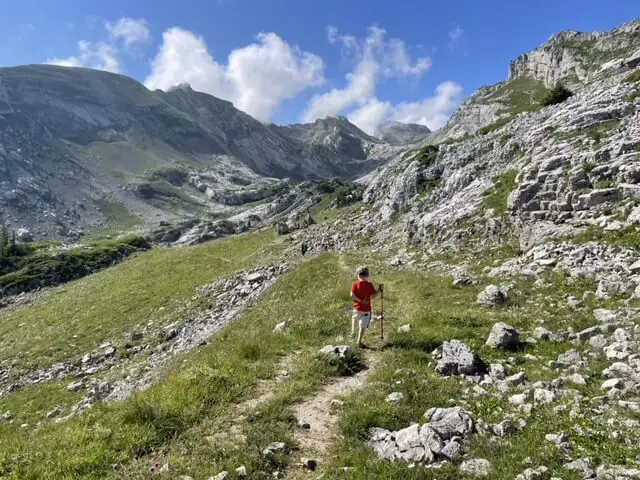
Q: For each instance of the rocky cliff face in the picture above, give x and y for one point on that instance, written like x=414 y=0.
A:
x=551 y=172
x=74 y=140
x=576 y=56
x=573 y=58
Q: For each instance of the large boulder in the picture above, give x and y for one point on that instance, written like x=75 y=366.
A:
x=493 y=296
x=450 y=422
x=503 y=336
x=24 y=235
x=456 y=358
x=439 y=439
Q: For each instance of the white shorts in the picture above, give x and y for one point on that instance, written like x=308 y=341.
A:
x=363 y=318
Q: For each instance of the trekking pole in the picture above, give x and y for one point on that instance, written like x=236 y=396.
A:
x=382 y=315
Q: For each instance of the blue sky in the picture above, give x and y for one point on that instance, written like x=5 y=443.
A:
x=406 y=60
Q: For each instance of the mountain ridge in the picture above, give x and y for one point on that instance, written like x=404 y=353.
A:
x=105 y=132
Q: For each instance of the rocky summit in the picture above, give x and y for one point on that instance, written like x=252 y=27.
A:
x=195 y=322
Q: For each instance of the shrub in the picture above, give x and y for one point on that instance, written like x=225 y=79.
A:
x=348 y=195
x=426 y=155
x=558 y=95
x=634 y=77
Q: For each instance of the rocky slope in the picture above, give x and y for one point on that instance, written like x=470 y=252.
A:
x=73 y=139
x=570 y=57
x=551 y=171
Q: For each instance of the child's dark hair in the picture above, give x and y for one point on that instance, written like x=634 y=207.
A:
x=362 y=272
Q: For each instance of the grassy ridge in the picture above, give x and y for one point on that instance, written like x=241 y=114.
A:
x=39 y=268
x=72 y=320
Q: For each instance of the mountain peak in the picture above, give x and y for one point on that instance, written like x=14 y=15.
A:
x=398 y=133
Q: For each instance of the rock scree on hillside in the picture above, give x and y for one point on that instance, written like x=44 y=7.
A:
x=92 y=371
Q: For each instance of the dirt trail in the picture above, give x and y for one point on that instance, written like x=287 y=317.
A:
x=315 y=442
x=267 y=388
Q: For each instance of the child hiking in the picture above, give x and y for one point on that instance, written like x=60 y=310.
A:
x=362 y=291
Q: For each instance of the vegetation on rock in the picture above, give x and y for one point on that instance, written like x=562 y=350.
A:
x=27 y=267
x=557 y=95
x=633 y=77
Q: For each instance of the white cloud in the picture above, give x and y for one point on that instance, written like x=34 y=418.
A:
x=454 y=36
x=256 y=78
x=370 y=115
x=432 y=112
x=374 y=56
x=361 y=86
x=129 y=30
x=100 y=56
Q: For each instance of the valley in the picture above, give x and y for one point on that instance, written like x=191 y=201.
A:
x=161 y=321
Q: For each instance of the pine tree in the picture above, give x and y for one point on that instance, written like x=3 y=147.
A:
x=4 y=240
x=13 y=249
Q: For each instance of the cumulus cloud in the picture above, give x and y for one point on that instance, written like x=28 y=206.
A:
x=129 y=30
x=256 y=78
x=100 y=56
x=374 y=57
x=371 y=115
x=432 y=112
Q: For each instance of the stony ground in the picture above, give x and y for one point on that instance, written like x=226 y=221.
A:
x=497 y=366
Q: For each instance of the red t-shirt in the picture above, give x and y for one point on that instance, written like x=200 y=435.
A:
x=363 y=290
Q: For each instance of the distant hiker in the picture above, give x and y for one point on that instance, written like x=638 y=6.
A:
x=362 y=291
x=304 y=248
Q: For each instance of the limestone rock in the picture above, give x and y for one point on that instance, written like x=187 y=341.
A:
x=503 y=336
x=456 y=358
x=477 y=467
x=492 y=296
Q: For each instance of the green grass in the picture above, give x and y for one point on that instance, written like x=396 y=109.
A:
x=521 y=94
x=184 y=419
x=39 y=269
x=596 y=133
x=405 y=367
x=494 y=126
x=604 y=184
x=631 y=98
x=625 y=237
x=424 y=155
x=162 y=194
x=325 y=209
x=70 y=321
x=33 y=403
x=118 y=220
x=633 y=77
x=199 y=393
x=201 y=389
x=496 y=196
